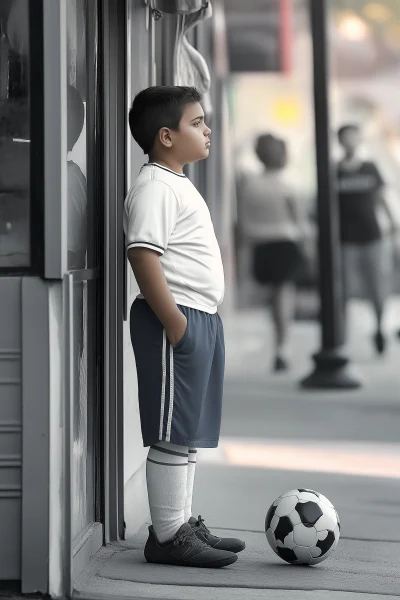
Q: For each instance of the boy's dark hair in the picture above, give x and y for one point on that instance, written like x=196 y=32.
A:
x=271 y=151
x=345 y=128
x=156 y=107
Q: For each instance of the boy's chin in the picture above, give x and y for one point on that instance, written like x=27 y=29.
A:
x=205 y=153
x=199 y=157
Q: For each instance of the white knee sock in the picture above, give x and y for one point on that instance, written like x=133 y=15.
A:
x=190 y=482
x=166 y=472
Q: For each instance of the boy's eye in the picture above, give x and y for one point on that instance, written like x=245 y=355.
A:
x=197 y=123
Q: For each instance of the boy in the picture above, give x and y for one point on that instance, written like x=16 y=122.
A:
x=366 y=246
x=176 y=332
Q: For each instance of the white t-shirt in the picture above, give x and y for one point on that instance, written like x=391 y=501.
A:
x=265 y=214
x=164 y=211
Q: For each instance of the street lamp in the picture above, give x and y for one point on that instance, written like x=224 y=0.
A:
x=331 y=365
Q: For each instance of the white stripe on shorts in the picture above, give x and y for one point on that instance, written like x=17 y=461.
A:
x=171 y=392
x=164 y=377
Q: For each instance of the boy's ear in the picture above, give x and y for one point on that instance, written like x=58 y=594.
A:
x=164 y=135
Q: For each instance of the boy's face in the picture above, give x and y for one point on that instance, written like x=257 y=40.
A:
x=350 y=140
x=191 y=142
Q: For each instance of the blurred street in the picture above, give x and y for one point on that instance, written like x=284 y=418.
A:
x=276 y=437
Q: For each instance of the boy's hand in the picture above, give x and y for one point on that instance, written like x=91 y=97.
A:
x=153 y=285
x=177 y=329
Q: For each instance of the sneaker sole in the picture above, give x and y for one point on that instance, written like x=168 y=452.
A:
x=238 y=549
x=215 y=564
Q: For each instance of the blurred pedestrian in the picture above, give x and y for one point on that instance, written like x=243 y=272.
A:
x=269 y=221
x=366 y=240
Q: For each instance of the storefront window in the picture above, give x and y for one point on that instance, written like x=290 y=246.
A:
x=14 y=135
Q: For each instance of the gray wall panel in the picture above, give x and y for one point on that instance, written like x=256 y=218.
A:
x=10 y=534
x=10 y=427
x=35 y=424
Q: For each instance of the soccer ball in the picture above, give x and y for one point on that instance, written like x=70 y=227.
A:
x=302 y=527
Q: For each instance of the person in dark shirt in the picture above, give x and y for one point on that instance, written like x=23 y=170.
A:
x=365 y=226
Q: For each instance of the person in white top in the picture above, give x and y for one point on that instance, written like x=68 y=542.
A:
x=165 y=213
x=269 y=221
x=176 y=331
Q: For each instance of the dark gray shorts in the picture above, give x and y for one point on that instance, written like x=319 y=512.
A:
x=180 y=389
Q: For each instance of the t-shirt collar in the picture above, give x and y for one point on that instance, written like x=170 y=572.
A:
x=154 y=164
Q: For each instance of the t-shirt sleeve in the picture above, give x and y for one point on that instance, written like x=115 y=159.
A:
x=151 y=214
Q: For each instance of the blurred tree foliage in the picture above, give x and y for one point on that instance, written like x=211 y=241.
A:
x=382 y=20
x=383 y=16
x=373 y=11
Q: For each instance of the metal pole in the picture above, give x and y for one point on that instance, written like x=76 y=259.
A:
x=331 y=365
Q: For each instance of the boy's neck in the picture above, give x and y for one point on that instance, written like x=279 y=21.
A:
x=351 y=155
x=351 y=161
x=168 y=162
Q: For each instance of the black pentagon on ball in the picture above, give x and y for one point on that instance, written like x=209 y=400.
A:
x=269 y=517
x=309 y=491
x=327 y=543
x=284 y=527
x=287 y=554
x=309 y=513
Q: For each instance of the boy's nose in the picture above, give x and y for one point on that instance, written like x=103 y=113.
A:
x=207 y=132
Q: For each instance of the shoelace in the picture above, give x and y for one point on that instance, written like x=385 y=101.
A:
x=189 y=537
x=200 y=524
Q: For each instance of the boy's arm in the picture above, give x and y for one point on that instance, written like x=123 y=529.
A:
x=383 y=191
x=384 y=204
x=150 y=277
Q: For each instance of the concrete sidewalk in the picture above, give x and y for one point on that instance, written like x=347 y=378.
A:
x=258 y=573
x=236 y=494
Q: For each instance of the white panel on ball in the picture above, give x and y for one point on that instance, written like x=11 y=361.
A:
x=295 y=517
x=291 y=493
x=307 y=497
x=274 y=522
x=304 y=536
x=303 y=554
x=286 y=506
x=327 y=521
x=315 y=552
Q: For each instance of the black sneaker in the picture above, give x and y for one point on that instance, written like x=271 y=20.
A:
x=204 y=534
x=185 y=550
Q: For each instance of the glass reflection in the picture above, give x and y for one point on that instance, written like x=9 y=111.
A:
x=14 y=135
x=77 y=243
